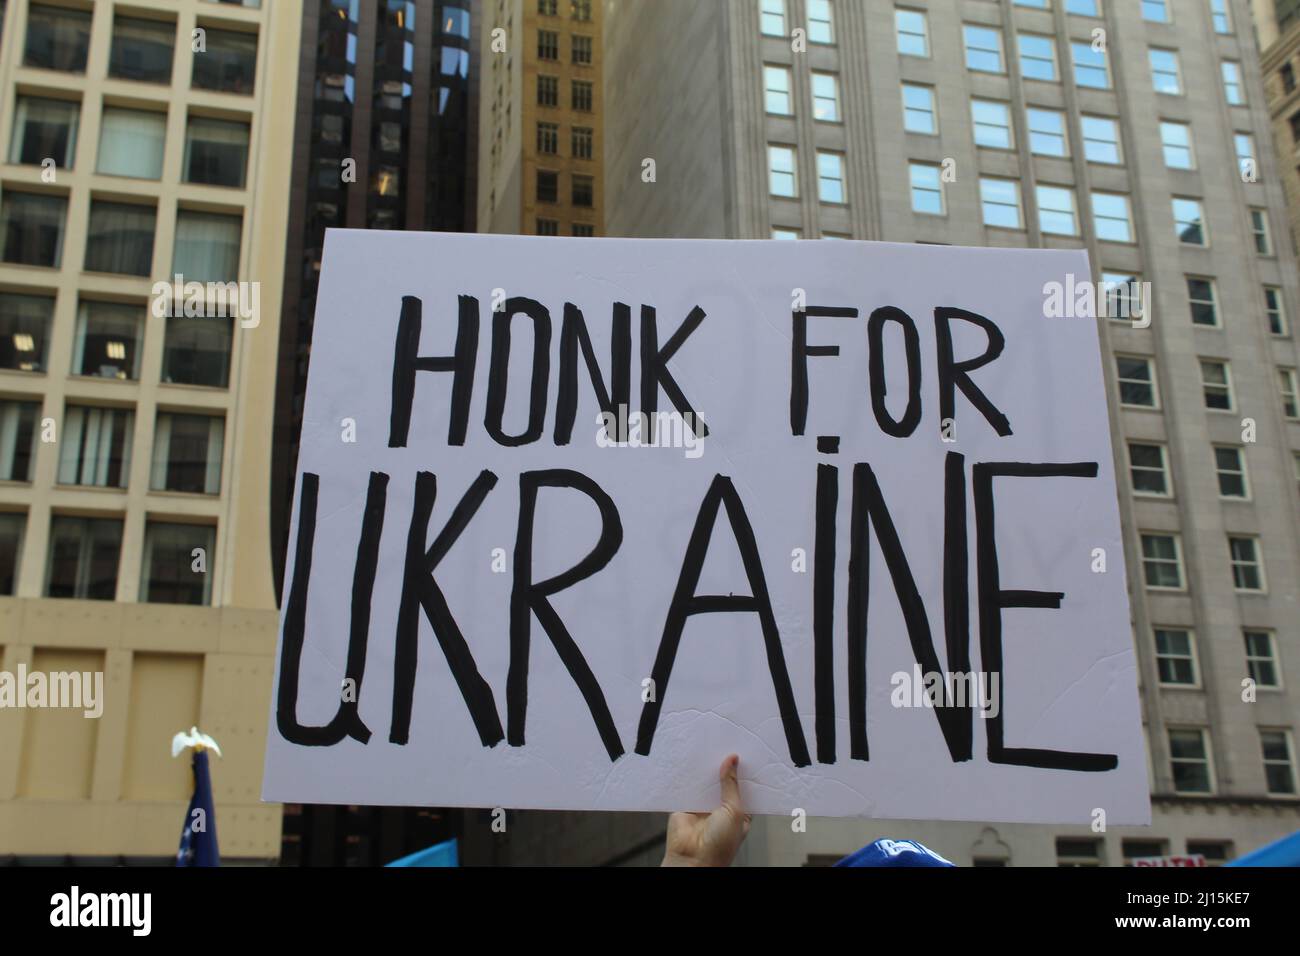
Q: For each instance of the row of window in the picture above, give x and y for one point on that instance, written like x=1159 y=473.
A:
x=578 y=9
x=819 y=27
x=58 y=38
x=1137 y=385
x=1154 y=11
x=94 y=446
x=581 y=140
x=551 y=227
x=548 y=47
x=84 y=554
x=1162 y=562
x=131 y=142
x=582 y=193
x=120 y=238
x=1177 y=663
x=581 y=93
x=1091 y=851
x=1149 y=471
x=1193 y=770
x=109 y=341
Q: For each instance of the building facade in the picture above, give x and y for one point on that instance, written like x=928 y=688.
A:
x=1277 y=26
x=540 y=130
x=384 y=138
x=1136 y=130
x=141 y=148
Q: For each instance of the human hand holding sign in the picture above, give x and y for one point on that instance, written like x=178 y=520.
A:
x=710 y=839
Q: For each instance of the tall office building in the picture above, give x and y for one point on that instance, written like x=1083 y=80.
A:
x=139 y=143
x=1136 y=130
x=1277 y=27
x=540 y=130
x=384 y=139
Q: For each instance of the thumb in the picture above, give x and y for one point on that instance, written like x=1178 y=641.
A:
x=730 y=785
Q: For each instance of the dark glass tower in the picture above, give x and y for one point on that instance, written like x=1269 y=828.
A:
x=386 y=138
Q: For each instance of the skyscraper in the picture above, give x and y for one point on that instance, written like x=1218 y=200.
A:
x=386 y=127
x=1136 y=130
x=143 y=217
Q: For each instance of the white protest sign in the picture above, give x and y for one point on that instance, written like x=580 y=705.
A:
x=575 y=519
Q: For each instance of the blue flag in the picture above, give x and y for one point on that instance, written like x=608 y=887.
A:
x=199 y=838
x=440 y=854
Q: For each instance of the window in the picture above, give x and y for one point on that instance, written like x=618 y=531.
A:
x=548 y=138
x=1139 y=849
x=992 y=124
x=1189 y=761
x=1232 y=88
x=1137 y=384
x=207 y=246
x=772 y=16
x=782 y=179
x=1189 y=223
x=785 y=233
x=1090 y=67
x=1247 y=164
x=1230 y=467
x=548 y=186
x=583 y=192
x=1279 y=765
x=548 y=91
x=581 y=49
x=1037 y=57
x=776 y=90
x=1216 y=385
x=187 y=453
x=918 y=109
x=1220 y=16
x=983 y=49
x=548 y=45
x=1000 y=199
x=913 y=33
x=826 y=97
x=548 y=227
x=230 y=63
x=1216 y=852
x=927 y=189
x=57 y=38
x=216 y=152
x=1147 y=469
x=582 y=138
x=1155 y=10
x=196 y=350
x=17 y=439
x=1111 y=217
x=1287 y=388
x=1288 y=78
x=1046 y=132
x=1056 y=211
x=1247 y=566
x=1124 y=298
x=1083 y=8
x=1200 y=295
x=95 y=447
x=142 y=50
x=167 y=572
x=1165 y=74
x=1101 y=140
x=120 y=238
x=1162 y=562
x=1259 y=228
x=1273 y=311
x=1176 y=657
x=31 y=228
x=581 y=10
x=44 y=129
x=1176 y=138
x=83 y=558
x=25 y=331
x=1078 y=851
x=830 y=177
x=581 y=96
x=11 y=545
x=131 y=143
x=455 y=22
x=108 y=340
x=1261 y=658
x=584 y=229
x=821 y=26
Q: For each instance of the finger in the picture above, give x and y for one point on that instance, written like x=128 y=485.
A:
x=730 y=784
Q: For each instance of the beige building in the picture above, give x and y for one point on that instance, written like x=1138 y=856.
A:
x=540 y=136
x=808 y=119
x=1277 y=27
x=139 y=142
